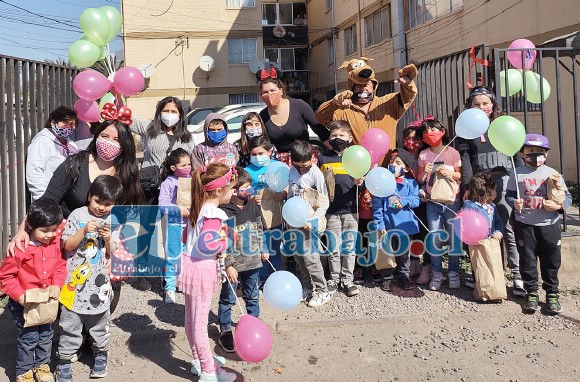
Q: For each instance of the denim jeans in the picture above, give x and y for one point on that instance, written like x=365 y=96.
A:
x=438 y=217
x=173 y=248
x=34 y=343
x=250 y=293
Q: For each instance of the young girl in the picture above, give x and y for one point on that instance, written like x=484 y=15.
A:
x=448 y=164
x=177 y=165
x=252 y=126
x=199 y=277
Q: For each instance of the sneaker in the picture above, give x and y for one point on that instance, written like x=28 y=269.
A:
x=518 y=289
x=196 y=366
x=415 y=268
x=220 y=375
x=470 y=283
x=351 y=289
x=306 y=294
x=376 y=275
x=387 y=285
x=26 y=377
x=436 y=280
x=143 y=284
x=42 y=374
x=63 y=372
x=99 y=370
x=359 y=276
x=332 y=286
x=531 y=304
x=424 y=276
x=553 y=304
x=226 y=341
x=454 y=282
x=169 y=297
x=406 y=284
x=318 y=299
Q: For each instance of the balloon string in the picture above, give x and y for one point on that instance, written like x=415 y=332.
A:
x=443 y=205
x=446 y=146
x=235 y=295
x=271 y=265
x=413 y=212
x=515 y=177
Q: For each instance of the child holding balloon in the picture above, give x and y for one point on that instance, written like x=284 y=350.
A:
x=206 y=240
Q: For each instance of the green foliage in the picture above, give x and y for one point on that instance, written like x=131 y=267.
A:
x=573 y=188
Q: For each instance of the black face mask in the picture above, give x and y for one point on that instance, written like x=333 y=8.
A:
x=535 y=159
x=362 y=97
x=338 y=144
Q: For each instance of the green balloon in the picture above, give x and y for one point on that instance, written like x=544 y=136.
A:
x=514 y=79
x=107 y=98
x=115 y=20
x=95 y=26
x=83 y=53
x=356 y=161
x=533 y=93
x=507 y=135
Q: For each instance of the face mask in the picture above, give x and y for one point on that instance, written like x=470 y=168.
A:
x=535 y=160
x=412 y=144
x=183 y=172
x=396 y=170
x=253 y=132
x=363 y=97
x=217 y=136
x=108 y=150
x=303 y=170
x=246 y=194
x=62 y=132
x=259 y=160
x=487 y=110
x=338 y=144
x=169 y=119
x=433 y=138
x=274 y=99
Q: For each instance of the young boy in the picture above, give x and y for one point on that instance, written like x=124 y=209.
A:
x=394 y=212
x=86 y=296
x=341 y=215
x=216 y=147
x=40 y=266
x=244 y=264
x=307 y=181
x=536 y=223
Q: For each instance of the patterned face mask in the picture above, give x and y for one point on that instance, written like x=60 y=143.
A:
x=108 y=150
x=412 y=144
x=62 y=132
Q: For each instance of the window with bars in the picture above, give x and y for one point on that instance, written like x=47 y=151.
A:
x=241 y=50
x=350 y=43
x=240 y=3
x=330 y=48
x=378 y=26
x=422 y=11
x=284 y=14
x=243 y=98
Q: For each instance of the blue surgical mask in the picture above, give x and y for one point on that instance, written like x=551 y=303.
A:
x=217 y=136
x=396 y=170
x=259 y=160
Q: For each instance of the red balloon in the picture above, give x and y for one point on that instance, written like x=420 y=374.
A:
x=470 y=226
x=129 y=81
x=253 y=339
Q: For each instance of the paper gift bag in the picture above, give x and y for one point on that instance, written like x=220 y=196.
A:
x=384 y=259
x=556 y=192
x=444 y=189
x=271 y=209
x=487 y=266
x=184 y=192
x=41 y=309
x=316 y=200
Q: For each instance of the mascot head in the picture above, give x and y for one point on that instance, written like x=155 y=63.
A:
x=359 y=72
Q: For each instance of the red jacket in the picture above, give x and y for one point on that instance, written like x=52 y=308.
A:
x=38 y=267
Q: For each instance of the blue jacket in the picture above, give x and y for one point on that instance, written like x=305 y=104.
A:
x=494 y=222
x=386 y=217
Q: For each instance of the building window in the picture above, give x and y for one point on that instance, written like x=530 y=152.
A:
x=422 y=11
x=243 y=98
x=289 y=59
x=284 y=14
x=241 y=50
x=378 y=26
x=350 y=44
x=240 y=3
x=330 y=47
x=328 y=4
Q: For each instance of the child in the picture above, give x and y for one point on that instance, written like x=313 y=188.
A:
x=40 y=266
x=448 y=165
x=252 y=126
x=341 y=215
x=215 y=148
x=394 y=212
x=177 y=165
x=199 y=277
x=307 y=181
x=246 y=261
x=86 y=296
x=536 y=223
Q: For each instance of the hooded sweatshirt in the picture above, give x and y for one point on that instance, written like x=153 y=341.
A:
x=387 y=217
x=208 y=152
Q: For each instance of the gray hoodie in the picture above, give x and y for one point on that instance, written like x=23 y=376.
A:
x=208 y=152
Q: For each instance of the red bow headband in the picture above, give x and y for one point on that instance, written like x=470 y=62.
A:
x=429 y=117
x=110 y=113
x=220 y=182
x=265 y=74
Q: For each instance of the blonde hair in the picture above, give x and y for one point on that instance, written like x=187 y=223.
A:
x=198 y=193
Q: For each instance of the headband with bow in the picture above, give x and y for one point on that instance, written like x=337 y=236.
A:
x=264 y=74
x=110 y=113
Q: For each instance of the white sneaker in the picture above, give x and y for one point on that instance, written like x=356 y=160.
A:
x=436 y=280
x=220 y=375
x=196 y=366
x=454 y=282
x=319 y=299
x=169 y=297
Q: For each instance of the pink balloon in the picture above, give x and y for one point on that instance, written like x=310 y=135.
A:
x=470 y=226
x=377 y=143
x=128 y=81
x=253 y=339
x=375 y=157
x=515 y=57
x=91 y=85
x=87 y=110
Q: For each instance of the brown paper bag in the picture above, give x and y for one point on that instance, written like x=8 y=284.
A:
x=271 y=209
x=556 y=192
x=330 y=181
x=41 y=308
x=487 y=265
x=184 y=192
x=384 y=260
x=316 y=200
x=444 y=189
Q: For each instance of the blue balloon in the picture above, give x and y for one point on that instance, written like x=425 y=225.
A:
x=277 y=175
x=283 y=290
x=380 y=182
x=471 y=124
x=296 y=212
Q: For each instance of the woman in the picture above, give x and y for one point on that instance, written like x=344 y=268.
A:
x=49 y=148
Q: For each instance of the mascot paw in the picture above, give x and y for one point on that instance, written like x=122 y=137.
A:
x=408 y=70
x=347 y=94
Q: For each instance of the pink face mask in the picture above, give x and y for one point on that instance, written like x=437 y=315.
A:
x=183 y=172
x=108 y=150
x=486 y=110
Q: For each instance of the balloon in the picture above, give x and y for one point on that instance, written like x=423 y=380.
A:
x=83 y=53
x=283 y=290
x=277 y=175
x=91 y=85
x=252 y=339
x=128 y=81
x=377 y=142
x=380 y=182
x=507 y=135
x=296 y=212
x=514 y=79
x=356 y=161
x=115 y=20
x=95 y=26
x=471 y=124
x=470 y=226
x=532 y=90
x=515 y=56
x=87 y=110
x=107 y=98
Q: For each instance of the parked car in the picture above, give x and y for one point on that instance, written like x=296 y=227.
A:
x=197 y=116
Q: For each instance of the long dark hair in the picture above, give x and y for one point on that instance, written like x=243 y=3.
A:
x=180 y=131
x=244 y=142
x=173 y=159
x=60 y=114
x=126 y=168
x=484 y=90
